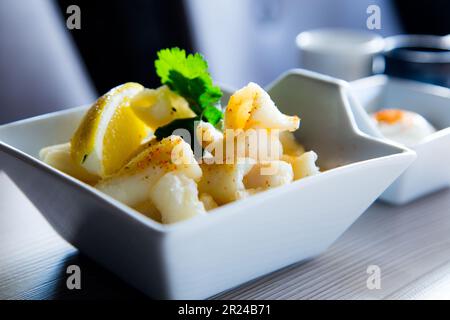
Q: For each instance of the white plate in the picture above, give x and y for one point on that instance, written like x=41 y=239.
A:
x=431 y=170
x=237 y=242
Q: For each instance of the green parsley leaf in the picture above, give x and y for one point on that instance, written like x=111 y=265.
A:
x=191 y=66
x=189 y=77
x=213 y=115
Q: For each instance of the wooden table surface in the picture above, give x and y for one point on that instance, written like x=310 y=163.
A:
x=410 y=245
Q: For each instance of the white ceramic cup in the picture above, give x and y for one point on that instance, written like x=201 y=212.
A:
x=342 y=53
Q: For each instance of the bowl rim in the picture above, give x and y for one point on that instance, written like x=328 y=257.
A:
x=372 y=43
x=402 y=151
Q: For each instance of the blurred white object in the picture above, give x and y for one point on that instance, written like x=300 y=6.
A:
x=409 y=129
x=40 y=69
x=254 y=40
x=342 y=53
x=430 y=172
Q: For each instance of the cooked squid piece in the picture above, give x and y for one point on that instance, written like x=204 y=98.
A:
x=207 y=134
x=256 y=144
x=290 y=145
x=132 y=183
x=252 y=108
x=148 y=209
x=208 y=201
x=303 y=166
x=59 y=157
x=224 y=182
x=176 y=197
x=270 y=174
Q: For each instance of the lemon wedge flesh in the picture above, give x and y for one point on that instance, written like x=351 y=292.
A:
x=158 y=107
x=109 y=132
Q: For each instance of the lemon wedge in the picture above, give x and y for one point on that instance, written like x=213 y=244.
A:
x=109 y=132
x=158 y=107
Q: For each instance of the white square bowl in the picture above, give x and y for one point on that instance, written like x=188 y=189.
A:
x=232 y=244
x=431 y=170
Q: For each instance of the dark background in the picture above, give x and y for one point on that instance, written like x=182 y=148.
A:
x=124 y=36
x=424 y=17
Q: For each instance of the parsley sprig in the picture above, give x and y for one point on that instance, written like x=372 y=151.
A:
x=188 y=76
